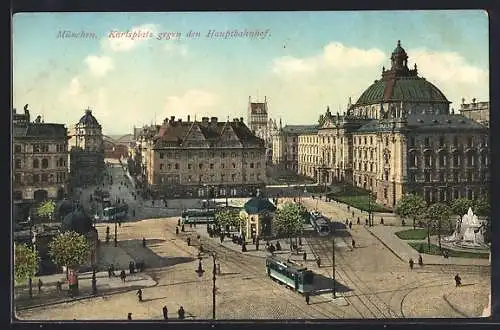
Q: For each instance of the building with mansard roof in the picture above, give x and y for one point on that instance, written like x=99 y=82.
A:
x=400 y=137
x=202 y=158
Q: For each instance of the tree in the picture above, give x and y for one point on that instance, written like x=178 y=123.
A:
x=460 y=206
x=225 y=218
x=69 y=249
x=26 y=262
x=288 y=221
x=436 y=215
x=481 y=206
x=46 y=209
x=411 y=206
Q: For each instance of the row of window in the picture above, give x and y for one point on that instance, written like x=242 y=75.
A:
x=454 y=160
x=428 y=141
x=205 y=154
x=215 y=178
x=42 y=148
x=44 y=177
x=456 y=176
x=201 y=166
x=61 y=162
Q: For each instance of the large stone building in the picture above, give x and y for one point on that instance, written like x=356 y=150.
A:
x=40 y=153
x=87 y=150
x=398 y=138
x=193 y=158
x=478 y=111
x=285 y=148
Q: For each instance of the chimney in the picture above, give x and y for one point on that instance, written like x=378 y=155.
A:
x=241 y=119
x=179 y=120
x=474 y=100
x=213 y=120
x=204 y=119
x=189 y=118
x=235 y=120
x=172 y=118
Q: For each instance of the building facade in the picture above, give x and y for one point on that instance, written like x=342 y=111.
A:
x=286 y=153
x=87 y=150
x=40 y=153
x=203 y=159
x=477 y=111
x=400 y=137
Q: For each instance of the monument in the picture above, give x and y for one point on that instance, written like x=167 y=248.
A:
x=469 y=232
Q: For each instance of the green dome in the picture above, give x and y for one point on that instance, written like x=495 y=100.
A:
x=407 y=89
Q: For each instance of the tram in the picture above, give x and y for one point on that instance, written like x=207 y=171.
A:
x=116 y=212
x=298 y=278
x=320 y=223
x=197 y=216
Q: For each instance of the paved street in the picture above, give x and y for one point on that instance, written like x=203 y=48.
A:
x=373 y=280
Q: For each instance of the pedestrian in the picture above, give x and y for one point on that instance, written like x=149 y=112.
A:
x=222 y=237
x=109 y=271
x=190 y=225
x=178 y=222
x=177 y=230
x=366 y=222
x=59 y=286
x=143 y=242
x=304 y=256
x=350 y=224
x=181 y=313
x=358 y=222
x=257 y=245
x=353 y=244
x=420 y=261
x=381 y=221
x=458 y=281
x=182 y=228
x=129 y=316
x=318 y=262
x=278 y=246
x=139 y=294
x=123 y=276
x=40 y=283
x=307 y=297
x=165 y=313
x=131 y=267
x=189 y=241
x=411 y=263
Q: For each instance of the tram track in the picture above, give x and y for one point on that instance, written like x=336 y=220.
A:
x=257 y=276
x=362 y=303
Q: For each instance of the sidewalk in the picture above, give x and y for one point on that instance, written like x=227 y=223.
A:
x=105 y=286
x=400 y=248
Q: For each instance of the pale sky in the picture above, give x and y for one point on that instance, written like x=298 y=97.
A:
x=306 y=62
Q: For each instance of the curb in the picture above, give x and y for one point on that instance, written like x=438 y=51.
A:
x=384 y=244
x=65 y=301
x=427 y=263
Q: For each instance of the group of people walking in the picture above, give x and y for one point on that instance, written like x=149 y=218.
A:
x=181 y=313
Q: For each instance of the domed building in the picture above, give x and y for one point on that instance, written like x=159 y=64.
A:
x=87 y=152
x=401 y=137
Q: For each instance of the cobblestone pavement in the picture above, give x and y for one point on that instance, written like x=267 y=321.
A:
x=371 y=279
x=382 y=284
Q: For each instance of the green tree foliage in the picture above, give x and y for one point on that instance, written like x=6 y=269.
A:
x=69 y=249
x=46 y=209
x=437 y=215
x=411 y=206
x=225 y=218
x=460 y=206
x=482 y=206
x=26 y=261
x=288 y=220
x=304 y=213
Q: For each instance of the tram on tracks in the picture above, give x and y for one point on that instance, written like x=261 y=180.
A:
x=197 y=216
x=298 y=278
x=320 y=223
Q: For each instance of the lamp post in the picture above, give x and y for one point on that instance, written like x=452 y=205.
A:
x=334 y=294
x=116 y=230
x=200 y=272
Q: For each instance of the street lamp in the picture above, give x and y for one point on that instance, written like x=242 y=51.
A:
x=370 y=213
x=200 y=272
x=116 y=229
x=334 y=294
